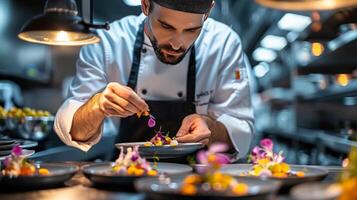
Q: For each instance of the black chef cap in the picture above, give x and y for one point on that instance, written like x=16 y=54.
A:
x=191 y=6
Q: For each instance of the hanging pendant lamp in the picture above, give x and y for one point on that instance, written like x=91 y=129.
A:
x=61 y=25
x=306 y=5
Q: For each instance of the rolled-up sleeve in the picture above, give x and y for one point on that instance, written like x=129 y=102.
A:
x=231 y=103
x=90 y=79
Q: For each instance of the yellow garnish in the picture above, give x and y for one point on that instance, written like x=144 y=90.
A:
x=43 y=171
x=152 y=173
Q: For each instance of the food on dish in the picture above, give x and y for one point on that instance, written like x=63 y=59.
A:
x=266 y=163
x=17 y=165
x=131 y=164
x=209 y=178
x=159 y=140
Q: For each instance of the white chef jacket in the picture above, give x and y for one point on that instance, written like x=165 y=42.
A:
x=222 y=89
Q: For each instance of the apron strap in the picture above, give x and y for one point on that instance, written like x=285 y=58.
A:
x=133 y=78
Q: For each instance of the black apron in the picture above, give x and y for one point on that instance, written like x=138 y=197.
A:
x=168 y=114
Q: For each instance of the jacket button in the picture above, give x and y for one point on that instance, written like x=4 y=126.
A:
x=144 y=91
x=179 y=94
x=144 y=50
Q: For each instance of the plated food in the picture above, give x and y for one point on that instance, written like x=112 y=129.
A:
x=128 y=167
x=160 y=139
x=17 y=165
x=132 y=164
x=164 y=151
x=209 y=178
x=19 y=173
x=209 y=182
x=267 y=164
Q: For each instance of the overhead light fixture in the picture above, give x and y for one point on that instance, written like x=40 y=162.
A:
x=317 y=49
x=261 y=69
x=61 y=25
x=343 y=79
x=304 y=5
x=292 y=36
x=132 y=2
x=264 y=55
x=294 y=22
x=273 y=42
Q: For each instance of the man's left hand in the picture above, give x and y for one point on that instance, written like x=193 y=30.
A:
x=194 y=128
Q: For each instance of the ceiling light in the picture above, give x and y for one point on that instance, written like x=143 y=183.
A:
x=261 y=69
x=273 y=42
x=303 y=5
x=294 y=22
x=61 y=25
x=132 y=2
x=264 y=55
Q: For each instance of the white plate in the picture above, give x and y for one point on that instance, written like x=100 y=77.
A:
x=100 y=173
x=164 y=151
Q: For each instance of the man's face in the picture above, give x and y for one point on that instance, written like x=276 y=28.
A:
x=172 y=33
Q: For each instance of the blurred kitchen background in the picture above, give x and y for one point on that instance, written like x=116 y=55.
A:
x=303 y=75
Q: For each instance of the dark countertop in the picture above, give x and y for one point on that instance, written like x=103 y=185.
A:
x=81 y=188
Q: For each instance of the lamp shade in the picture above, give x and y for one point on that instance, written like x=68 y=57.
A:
x=58 y=25
x=306 y=5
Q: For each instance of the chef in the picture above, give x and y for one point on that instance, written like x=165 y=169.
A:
x=186 y=69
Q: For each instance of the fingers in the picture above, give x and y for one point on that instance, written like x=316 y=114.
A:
x=118 y=100
x=184 y=130
x=129 y=95
x=205 y=141
x=185 y=127
x=112 y=109
x=194 y=137
x=123 y=103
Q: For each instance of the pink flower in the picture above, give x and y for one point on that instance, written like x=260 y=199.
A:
x=151 y=122
x=212 y=157
x=221 y=159
x=267 y=144
x=218 y=147
x=202 y=157
x=16 y=150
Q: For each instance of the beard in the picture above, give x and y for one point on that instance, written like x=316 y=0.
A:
x=165 y=58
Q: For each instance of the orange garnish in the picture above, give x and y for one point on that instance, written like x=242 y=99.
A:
x=240 y=189
x=188 y=189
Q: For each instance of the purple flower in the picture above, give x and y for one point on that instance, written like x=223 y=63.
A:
x=256 y=151
x=151 y=122
x=218 y=147
x=134 y=157
x=202 y=157
x=267 y=144
x=16 y=150
x=7 y=161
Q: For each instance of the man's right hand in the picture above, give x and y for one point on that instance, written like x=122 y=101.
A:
x=121 y=101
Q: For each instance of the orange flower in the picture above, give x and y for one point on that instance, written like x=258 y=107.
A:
x=188 y=189
x=192 y=179
x=240 y=189
x=300 y=174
